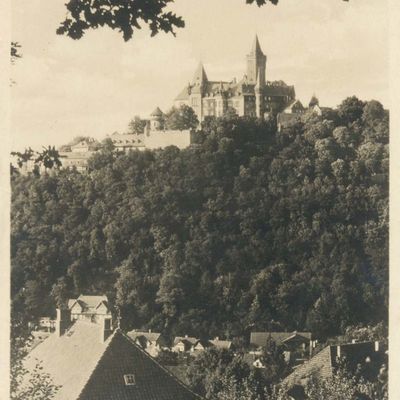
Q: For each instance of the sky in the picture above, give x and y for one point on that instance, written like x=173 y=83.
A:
x=94 y=86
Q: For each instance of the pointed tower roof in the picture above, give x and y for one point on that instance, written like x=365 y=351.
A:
x=256 y=48
x=200 y=75
x=156 y=113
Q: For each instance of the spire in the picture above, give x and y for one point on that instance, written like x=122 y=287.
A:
x=256 y=48
x=200 y=76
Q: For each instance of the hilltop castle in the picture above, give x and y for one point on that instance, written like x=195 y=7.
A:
x=252 y=96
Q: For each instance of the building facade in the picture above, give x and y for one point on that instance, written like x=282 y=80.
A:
x=251 y=96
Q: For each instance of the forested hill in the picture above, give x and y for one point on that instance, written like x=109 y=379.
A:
x=249 y=229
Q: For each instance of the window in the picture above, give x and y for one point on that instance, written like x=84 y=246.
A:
x=129 y=379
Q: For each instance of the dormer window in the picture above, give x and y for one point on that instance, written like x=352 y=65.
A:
x=129 y=379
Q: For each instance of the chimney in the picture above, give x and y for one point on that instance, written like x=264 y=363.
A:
x=186 y=336
x=106 y=329
x=63 y=321
x=338 y=352
x=149 y=330
x=353 y=341
x=376 y=345
x=216 y=338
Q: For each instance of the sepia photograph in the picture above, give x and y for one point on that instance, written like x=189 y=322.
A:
x=199 y=200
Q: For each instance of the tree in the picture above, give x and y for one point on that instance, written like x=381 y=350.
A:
x=23 y=158
x=124 y=15
x=181 y=118
x=48 y=157
x=32 y=384
x=137 y=125
x=350 y=110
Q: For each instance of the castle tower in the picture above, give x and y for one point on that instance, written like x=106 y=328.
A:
x=156 y=120
x=258 y=90
x=197 y=91
x=256 y=63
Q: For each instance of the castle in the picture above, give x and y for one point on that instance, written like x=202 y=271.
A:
x=252 y=96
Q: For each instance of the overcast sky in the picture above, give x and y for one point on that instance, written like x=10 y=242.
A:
x=94 y=86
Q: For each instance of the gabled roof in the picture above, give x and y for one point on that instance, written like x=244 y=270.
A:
x=221 y=344
x=89 y=303
x=157 y=113
x=151 y=336
x=191 y=340
x=88 y=369
x=294 y=103
x=261 y=338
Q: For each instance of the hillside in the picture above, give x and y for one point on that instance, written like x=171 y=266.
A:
x=250 y=228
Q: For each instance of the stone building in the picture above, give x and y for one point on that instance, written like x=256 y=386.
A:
x=252 y=96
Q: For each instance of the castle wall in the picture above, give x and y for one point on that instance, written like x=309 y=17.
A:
x=161 y=139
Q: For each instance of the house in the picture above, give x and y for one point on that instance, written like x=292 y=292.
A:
x=125 y=142
x=78 y=160
x=253 y=360
x=295 y=107
x=221 y=344
x=324 y=363
x=184 y=343
x=152 y=342
x=47 y=324
x=89 y=360
x=286 y=339
x=296 y=346
x=200 y=346
x=89 y=308
x=85 y=145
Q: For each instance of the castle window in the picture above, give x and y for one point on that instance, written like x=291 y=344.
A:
x=129 y=379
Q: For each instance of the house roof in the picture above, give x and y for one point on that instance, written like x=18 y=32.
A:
x=260 y=338
x=88 y=369
x=151 y=336
x=221 y=344
x=294 y=103
x=191 y=340
x=324 y=362
x=157 y=113
x=88 y=303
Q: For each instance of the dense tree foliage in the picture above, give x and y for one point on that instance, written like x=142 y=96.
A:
x=247 y=229
x=137 y=125
x=181 y=118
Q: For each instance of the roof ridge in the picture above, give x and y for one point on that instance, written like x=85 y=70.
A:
x=159 y=365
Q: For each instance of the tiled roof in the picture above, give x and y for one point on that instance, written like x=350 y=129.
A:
x=88 y=303
x=88 y=369
x=260 y=338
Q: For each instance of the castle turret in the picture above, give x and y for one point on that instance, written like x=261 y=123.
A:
x=156 y=118
x=256 y=63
